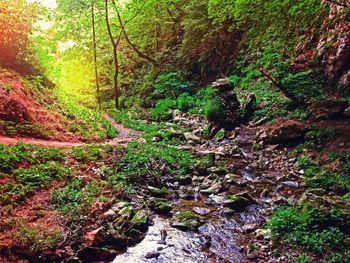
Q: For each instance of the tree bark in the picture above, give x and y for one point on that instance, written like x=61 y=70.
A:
x=95 y=54
x=115 y=44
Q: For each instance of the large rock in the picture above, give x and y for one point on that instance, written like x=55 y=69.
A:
x=326 y=109
x=333 y=49
x=283 y=132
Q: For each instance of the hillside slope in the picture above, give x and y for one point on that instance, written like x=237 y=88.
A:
x=21 y=113
x=30 y=109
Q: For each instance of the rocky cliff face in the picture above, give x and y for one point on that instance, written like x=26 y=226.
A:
x=333 y=49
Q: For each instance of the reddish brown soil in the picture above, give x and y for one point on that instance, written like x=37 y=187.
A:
x=19 y=104
x=35 y=211
x=125 y=135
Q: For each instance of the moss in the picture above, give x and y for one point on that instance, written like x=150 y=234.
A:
x=189 y=219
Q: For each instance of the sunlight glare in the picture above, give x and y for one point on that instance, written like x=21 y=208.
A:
x=45 y=3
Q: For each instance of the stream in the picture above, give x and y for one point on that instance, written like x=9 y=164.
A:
x=222 y=237
x=224 y=234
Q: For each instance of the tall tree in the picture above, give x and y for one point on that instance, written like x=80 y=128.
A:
x=95 y=53
x=115 y=43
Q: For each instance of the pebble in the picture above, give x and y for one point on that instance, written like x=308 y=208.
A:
x=153 y=254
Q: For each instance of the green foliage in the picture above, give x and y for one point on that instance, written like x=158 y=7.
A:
x=37 y=238
x=16 y=24
x=135 y=166
x=215 y=109
x=161 y=110
x=76 y=196
x=44 y=166
x=303 y=86
x=89 y=123
x=171 y=85
x=185 y=102
x=257 y=147
x=11 y=156
x=11 y=128
x=91 y=153
x=308 y=227
x=40 y=175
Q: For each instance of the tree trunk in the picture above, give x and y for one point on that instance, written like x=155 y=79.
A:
x=95 y=54
x=115 y=44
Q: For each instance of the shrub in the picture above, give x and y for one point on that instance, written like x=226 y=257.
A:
x=161 y=110
x=38 y=238
x=171 y=85
x=215 y=109
x=185 y=102
x=314 y=229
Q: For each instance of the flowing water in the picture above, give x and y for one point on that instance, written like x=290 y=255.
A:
x=224 y=236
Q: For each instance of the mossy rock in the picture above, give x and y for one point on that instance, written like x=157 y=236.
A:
x=162 y=207
x=239 y=202
x=127 y=211
x=140 y=220
x=186 y=220
x=140 y=217
x=158 y=192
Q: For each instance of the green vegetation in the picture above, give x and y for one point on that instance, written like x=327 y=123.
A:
x=315 y=229
x=149 y=65
x=318 y=224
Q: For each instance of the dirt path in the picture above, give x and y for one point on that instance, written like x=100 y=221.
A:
x=125 y=135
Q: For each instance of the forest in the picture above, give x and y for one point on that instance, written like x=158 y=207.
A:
x=177 y=131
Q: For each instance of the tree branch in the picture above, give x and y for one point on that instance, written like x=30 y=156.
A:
x=136 y=50
x=282 y=88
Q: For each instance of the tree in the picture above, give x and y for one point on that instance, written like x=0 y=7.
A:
x=95 y=53
x=115 y=43
x=16 y=24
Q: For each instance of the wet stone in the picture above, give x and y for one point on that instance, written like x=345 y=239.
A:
x=202 y=211
x=94 y=254
x=153 y=254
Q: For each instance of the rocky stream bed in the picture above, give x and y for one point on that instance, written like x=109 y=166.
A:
x=218 y=213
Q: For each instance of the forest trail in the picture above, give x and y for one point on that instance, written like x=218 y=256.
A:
x=124 y=135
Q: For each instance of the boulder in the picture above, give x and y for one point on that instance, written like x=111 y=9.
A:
x=325 y=109
x=283 y=132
